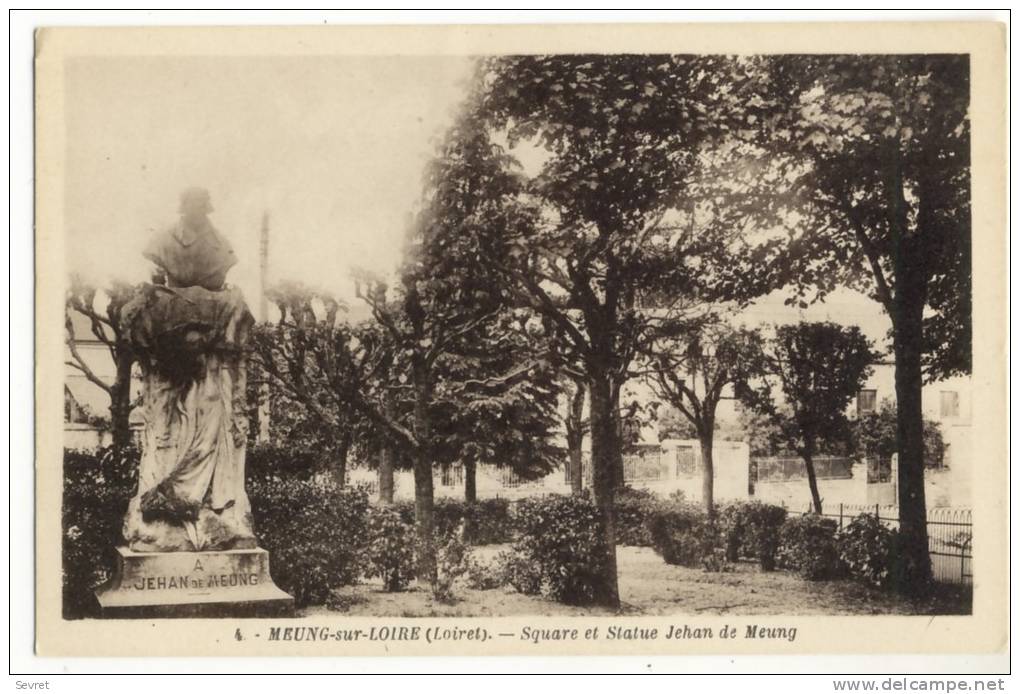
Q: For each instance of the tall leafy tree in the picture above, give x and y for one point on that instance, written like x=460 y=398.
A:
x=102 y=311
x=692 y=364
x=496 y=401
x=874 y=436
x=879 y=155
x=818 y=368
x=442 y=302
x=607 y=224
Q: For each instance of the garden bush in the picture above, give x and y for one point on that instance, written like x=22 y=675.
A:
x=315 y=531
x=807 y=544
x=97 y=489
x=484 y=522
x=683 y=535
x=559 y=542
x=634 y=507
x=487 y=575
x=489 y=522
x=452 y=562
x=391 y=544
x=867 y=550
x=752 y=530
x=266 y=460
x=520 y=572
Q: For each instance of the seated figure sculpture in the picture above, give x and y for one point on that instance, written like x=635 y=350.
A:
x=189 y=330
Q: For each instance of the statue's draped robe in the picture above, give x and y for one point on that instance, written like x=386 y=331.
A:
x=191 y=341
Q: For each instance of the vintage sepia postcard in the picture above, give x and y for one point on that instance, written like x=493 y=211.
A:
x=521 y=340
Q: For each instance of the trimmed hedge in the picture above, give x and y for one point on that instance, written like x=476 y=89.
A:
x=684 y=535
x=752 y=529
x=264 y=460
x=97 y=489
x=485 y=522
x=315 y=531
x=634 y=507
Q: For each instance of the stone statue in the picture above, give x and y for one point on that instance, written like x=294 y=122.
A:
x=190 y=331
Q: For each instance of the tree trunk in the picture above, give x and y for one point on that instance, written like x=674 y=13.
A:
x=120 y=404
x=707 y=472
x=812 y=480
x=470 y=481
x=576 y=463
x=387 y=457
x=423 y=489
x=605 y=451
x=575 y=437
x=386 y=460
x=619 y=477
x=916 y=562
x=339 y=467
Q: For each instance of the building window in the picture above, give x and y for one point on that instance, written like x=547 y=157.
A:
x=866 y=401
x=949 y=404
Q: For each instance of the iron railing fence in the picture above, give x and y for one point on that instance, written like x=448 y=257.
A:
x=950 y=536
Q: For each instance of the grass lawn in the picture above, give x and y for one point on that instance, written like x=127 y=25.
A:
x=650 y=586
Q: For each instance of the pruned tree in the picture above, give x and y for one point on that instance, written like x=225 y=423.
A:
x=308 y=359
x=818 y=368
x=878 y=153
x=102 y=310
x=691 y=364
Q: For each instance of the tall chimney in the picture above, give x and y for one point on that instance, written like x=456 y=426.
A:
x=263 y=410
x=263 y=267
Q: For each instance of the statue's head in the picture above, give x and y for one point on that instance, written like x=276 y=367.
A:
x=195 y=203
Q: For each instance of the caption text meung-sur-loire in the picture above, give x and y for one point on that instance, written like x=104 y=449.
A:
x=536 y=635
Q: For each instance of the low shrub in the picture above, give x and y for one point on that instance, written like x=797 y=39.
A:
x=522 y=573
x=486 y=575
x=752 y=530
x=266 y=460
x=807 y=544
x=683 y=535
x=448 y=516
x=633 y=509
x=733 y=520
x=390 y=551
x=867 y=549
x=716 y=561
x=314 y=530
x=484 y=522
x=488 y=522
x=560 y=542
x=97 y=489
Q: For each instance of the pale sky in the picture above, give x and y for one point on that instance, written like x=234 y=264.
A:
x=333 y=148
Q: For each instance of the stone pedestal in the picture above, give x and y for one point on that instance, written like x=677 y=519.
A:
x=230 y=583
